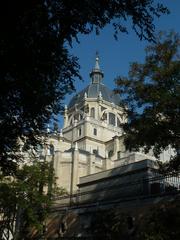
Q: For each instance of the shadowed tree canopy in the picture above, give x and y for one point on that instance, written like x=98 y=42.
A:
x=151 y=94
x=37 y=69
x=26 y=200
x=158 y=222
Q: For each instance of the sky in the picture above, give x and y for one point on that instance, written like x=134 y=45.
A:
x=116 y=56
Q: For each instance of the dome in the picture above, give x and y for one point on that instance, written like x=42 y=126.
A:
x=96 y=88
x=93 y=90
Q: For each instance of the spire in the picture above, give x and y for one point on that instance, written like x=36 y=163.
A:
x=97 y=62
x=96 y=73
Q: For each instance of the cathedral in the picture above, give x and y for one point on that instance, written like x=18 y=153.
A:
x=91 y=140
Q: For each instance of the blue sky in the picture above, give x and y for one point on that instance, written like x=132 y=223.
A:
x=115 y=56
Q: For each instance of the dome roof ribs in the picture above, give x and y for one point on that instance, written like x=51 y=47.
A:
x=96 y=89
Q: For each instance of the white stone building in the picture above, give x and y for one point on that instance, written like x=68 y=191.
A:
x=91 y=140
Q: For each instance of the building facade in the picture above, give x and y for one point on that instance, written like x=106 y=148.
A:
x=91 y=140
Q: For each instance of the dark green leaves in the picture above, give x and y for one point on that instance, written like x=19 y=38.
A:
x=37 y=69
x=152 y=94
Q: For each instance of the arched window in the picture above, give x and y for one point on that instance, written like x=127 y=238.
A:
x=118 y=154
x=112 y=120
x=92 y=112
x=110 y=153
x=76 y=117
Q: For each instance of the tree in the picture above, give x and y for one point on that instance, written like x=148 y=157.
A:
x=25 y=200
x=161 y=222
x=151 y=96
x=37 y=69
x=156 y=222
x=112 y=224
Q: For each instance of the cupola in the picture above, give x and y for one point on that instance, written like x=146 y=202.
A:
x=96 y=74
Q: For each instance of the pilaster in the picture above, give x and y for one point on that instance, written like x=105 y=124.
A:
x=91 y=163
x=57 y=167
x=75 y=169
x=107 y=164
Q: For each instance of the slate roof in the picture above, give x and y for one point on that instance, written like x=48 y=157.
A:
x=92 y=91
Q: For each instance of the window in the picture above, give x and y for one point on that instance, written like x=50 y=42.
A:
x=95 y=79
x=92 y=112
x=95 y=131
x=80 y=116
x=112 y=119
x=79 y=132
x=95 y=151
x=76 y=117
x=51 y=149
x=110 y=153
x=118 y=154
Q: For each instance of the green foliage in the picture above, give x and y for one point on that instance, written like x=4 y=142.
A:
x=37 y=69
x=151 y=94
x=25 y=199
x=110 y=225
x=160 y=222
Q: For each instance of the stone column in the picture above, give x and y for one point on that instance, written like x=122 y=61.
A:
x=75 y=169
x=91 y=161
x=57 y=168
x=107 y=164
x=116 y=145
x=85 y=128
x=99 y=105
